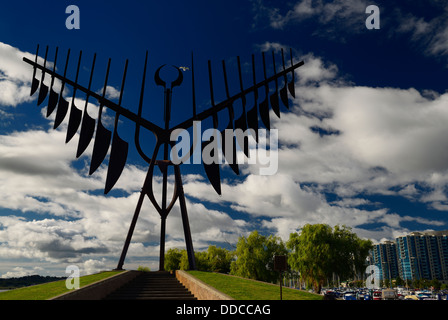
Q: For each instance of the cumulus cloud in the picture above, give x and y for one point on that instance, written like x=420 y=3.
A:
x=338 y=17
x=340 y=138
x=351 y=141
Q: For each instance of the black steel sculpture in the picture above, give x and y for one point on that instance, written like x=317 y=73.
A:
x=105 y=139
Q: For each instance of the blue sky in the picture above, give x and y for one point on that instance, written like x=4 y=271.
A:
x=362 y=145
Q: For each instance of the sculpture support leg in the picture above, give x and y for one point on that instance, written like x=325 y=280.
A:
x=186 y=224
x=131 y=231
x=162 y=245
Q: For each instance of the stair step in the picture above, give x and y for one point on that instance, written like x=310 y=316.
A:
x=153 y=286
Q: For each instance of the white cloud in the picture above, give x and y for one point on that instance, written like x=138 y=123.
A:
x=338 y=16
x=111 y=93
x=15 y=76
x=431 y=35
x=385 y=141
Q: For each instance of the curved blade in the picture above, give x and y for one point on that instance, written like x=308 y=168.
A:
x=61 y=112
x=52 y=102
x=241 y=123
x=274 y=97
x=284 y=96
x=275 y=103
x=291 y=85
x=252 y=121
x=117 y=161
x=73 y=122
x=43 y=88
x=34 y=86
x=86 y=134
x=252 y=114
x=284 y=90
x=53 y=99
x=103 y=135
x=264 y=105
x=88 y=123
x=35 y=82
x=264 y=112
x=212 y=171
x=100 y=147
x=231 y=158
x=43 y=92
x=75 y=114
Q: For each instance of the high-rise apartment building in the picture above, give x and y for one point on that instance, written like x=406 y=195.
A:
x=385 y=258
x=419 y=255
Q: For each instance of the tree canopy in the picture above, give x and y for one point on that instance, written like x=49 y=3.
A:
x=255 y=257
x=318 y=251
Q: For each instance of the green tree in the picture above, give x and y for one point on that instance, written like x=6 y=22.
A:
x=255 y=257
x=214 y=259
x=172 y=259
x=311 y=254
x=219 y=259
x=319 y=251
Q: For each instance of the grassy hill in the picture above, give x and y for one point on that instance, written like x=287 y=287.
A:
x=245 y=289
x=237 y=288
x=51 y=289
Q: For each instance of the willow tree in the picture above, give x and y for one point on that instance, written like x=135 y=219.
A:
x=255 y=257
x=318 y=251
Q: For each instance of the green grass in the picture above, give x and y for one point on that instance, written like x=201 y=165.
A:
x=52 y=289
x=245 y=289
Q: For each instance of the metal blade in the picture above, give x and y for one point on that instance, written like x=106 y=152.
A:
x=291 y=85
x=86 y=134
x=53 y=99
x=52 y=102
x=119 y=151
x=241 y=122
x=73 y=122
x=34 y=86
x=43 y=88
x=284 y=90
x=43 y=92
x=35 y=82
x=275 y=103
x=75 y=114
x=264 y=113
x=212 y=170
x=88 y=123
x=231 y=158
x=63 y=104
x=264 y=105
x=252 y=114
x=61 y=112
x=284 y=96
x=100 y=146
x=117 y=161
x=274 y=97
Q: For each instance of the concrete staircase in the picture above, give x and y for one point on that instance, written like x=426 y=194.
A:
x=152 y=286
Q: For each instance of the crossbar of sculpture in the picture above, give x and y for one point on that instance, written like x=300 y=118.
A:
x=105 y=140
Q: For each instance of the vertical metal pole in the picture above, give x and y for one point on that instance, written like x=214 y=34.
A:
x=131 y=231
x=163 y=216
x=281 y=280
x=162 y=244
x=186 y=224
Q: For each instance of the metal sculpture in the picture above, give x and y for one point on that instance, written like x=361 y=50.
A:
x=105 y=139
